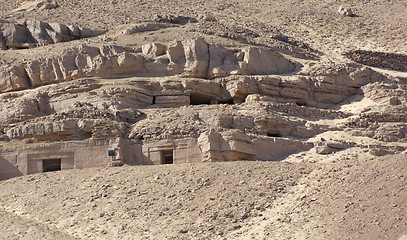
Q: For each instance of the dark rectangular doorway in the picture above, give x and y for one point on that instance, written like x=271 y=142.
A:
x=51 y=165
x=167 y=157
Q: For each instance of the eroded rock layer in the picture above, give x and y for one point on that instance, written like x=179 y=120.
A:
x=183 y=99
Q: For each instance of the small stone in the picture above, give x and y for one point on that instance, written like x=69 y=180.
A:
x=379 y=152
x=394 y=101
x=345 y=11
x=207 y=18
x=325 y=149
x=184 y=230
x=279 y=36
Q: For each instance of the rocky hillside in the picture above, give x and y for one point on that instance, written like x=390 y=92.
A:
x=314 y=97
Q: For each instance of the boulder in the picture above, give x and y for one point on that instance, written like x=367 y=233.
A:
x=74 y=32
x=153 y=49
x=16 y=35
x=34 y=33
x=262 y=61
x=196 y=54
x=394 y=101
x=231 y=145
x=39 y=31
x=36 y=5
x=222 y=62
x=379 y=152
x=176 y=56
x=13 y=78
x=324 y=149
x=60 y=33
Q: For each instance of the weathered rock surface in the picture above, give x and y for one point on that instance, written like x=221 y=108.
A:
x=203 y=81
x=190 y=58
x=28 y=6
x=195 y=58
x=205 y=100
x=34 y=33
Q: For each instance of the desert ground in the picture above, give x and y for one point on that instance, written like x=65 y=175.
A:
x=348 y=180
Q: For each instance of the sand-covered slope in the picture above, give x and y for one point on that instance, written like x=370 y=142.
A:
x=355 y=197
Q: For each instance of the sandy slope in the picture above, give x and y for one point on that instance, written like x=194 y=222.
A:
x=199 y=201
x=354 y=198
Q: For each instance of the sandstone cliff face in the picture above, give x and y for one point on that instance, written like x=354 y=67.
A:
x=233 y=102
x=189 y=58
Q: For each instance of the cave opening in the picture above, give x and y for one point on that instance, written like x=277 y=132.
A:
x=199 y=99
x=228 y=101
x=167 y=156
x=51 y=165
x=301 y=103
x=273 y=134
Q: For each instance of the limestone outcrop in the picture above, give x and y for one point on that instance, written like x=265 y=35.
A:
x=233 y=75
x=33 y=33
x=226 y=146
x=28 y=6
x=189 y=58
x=179 y=101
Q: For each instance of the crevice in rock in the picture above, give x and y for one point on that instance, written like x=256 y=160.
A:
x=301 y=103
x=30 y=82
x=274 y=133
x=199 y=99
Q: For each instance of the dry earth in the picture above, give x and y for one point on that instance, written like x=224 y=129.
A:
x=348 y=194
x=353 y=197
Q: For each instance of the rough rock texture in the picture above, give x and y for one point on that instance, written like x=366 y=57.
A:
x=305 y=107
x=393 y=61
x=189 y=58
x=34 y=33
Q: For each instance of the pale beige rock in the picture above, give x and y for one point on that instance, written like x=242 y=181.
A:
x=226 y=146
x=29 y=6
x=176 y=56
x=15 y=35
x=117 y=97
x=153 y=49
x=61 y=33
x=324 y=149
x=33 y=33
x=222 y=62
x=39 y=31
x=13 y=78
x=345 y=11
x=261 y=61
x=196 y=54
